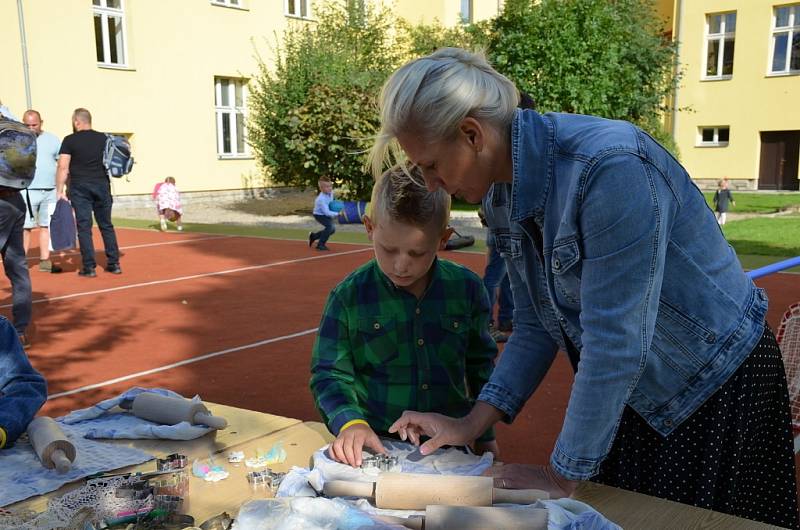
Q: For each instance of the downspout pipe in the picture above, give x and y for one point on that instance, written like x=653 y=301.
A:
x=24 y=44
x=677 y=38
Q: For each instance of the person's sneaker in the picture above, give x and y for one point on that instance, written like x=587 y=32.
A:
x=114 y=269
x=163 y=225
x=45 y=265
x=87 y=272
x=180 y=228
x=24 y=340
x=311 y=238
x=322 y=247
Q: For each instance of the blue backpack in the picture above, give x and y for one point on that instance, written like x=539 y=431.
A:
x=117 y=157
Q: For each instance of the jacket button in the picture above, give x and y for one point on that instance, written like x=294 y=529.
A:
x=556 y=264
x=667 y=423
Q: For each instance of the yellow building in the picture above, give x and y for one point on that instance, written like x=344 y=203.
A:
x=741 y=83
x=170 y=75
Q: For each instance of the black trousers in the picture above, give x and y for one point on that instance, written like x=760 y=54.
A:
x=12 y=218
x=90 y=196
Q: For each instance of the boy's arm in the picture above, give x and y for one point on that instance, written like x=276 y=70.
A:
x=332 y=370
x=22 y=389
x=481 y=349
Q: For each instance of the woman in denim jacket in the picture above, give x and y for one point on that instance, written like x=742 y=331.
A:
x=615 y=258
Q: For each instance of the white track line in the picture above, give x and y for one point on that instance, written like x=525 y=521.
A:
x=192 y=277
x=179 y=363
x=143 y=245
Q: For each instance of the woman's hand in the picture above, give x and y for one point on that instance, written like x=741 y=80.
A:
x=523 y=476
x=347 y=447
x=443 y=430
x=483 y=447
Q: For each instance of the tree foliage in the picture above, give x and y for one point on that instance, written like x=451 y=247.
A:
x=313 y=113
x=600 y=57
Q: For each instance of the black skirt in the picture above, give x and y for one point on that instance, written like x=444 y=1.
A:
x=735 y=454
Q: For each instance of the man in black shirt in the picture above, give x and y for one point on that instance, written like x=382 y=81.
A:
x=81 y=161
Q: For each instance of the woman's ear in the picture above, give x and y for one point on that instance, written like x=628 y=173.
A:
x=472 y=131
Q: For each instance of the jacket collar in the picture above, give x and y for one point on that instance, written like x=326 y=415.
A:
x=532 y=148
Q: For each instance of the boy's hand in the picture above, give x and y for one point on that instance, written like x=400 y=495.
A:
x=483 y=447
x=346 y=448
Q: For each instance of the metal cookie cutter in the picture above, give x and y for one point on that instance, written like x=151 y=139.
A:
x=260 y=477
x=171 y=462
x=379 y=462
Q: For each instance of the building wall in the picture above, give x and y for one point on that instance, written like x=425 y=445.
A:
x=164 y=97
x=750 y=102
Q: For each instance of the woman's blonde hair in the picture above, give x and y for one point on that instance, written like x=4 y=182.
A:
x=433 y=94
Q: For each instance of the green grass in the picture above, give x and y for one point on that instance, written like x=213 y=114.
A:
x=759 y=202
x=777 y=236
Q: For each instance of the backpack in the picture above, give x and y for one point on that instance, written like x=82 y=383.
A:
x=117 y=157
x=17 y=154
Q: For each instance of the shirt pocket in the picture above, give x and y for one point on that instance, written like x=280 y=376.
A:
x=565 y=263
x=377 y=339
x=452 y=348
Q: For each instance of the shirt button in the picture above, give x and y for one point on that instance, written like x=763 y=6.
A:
x=455 y=325
x=424 y=386
x=420 y=342
x=418 y=311
x=376 y=325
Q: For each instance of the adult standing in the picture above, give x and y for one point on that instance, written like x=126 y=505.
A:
x=41 y=194
x=17 y=165
x=89 y=189
x=615 y=258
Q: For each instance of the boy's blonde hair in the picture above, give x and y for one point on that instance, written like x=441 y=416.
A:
x=398 y=195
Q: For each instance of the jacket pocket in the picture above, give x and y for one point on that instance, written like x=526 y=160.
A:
x=565 y=263
x=377 y=336
x=508 y=244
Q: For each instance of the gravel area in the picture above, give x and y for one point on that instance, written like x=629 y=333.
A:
x=466 y=223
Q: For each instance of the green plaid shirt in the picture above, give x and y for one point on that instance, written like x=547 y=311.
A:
x=380 y=351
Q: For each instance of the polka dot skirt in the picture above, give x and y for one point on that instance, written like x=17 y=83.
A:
x=734 y=455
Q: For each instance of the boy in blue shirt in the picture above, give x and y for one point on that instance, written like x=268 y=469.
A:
x=323 y=214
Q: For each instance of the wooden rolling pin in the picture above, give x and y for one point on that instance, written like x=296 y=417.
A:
x=172 y=410
x=439 y=517
x=51 y=444
x=415 y=491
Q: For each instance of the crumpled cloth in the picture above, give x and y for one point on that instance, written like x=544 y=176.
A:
x=563 y=514
x=22 y=475
x=98 y=421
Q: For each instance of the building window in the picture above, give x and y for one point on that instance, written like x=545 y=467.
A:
x=713 y=136
x=109 y=32
x=227 y=3
x=231 y=111
x=466 y=12
x=720 y=40
x=298 y=8
x=786 y=40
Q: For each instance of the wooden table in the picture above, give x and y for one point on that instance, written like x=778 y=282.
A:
x=249 y=431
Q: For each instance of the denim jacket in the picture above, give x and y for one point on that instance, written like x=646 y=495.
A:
x=633 y=269
x=22 y=389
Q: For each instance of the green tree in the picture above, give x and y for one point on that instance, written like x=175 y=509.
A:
x=314 y=113
x=601 y=57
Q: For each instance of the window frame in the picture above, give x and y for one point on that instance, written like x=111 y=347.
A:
x=221 y=110
x=792 y=29
x=722 y=37
x=470 y=16
x=105 y=12
x=716 y=142
x=308 y=5
x=229 y=4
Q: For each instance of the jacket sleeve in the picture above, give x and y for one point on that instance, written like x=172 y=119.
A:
x=23 y=390
x=526 y=358
x=625 y=229
x=482 y=349
x=332 y=369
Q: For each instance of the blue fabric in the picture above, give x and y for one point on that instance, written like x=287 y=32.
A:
x=21 y=467
x=23 y=390
x=327 y=231
x=633 y=268
x=104 y=420
x=62 y=226
x=496 y=276
x=47 y=147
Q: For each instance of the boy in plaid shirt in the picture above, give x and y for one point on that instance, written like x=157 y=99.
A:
x=404 y=331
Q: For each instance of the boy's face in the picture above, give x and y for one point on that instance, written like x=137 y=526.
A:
x=405 y=252
x=326 y=187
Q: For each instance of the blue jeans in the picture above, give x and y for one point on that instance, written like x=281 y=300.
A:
x=496 y=276
x=328 y=230
x=94 y=196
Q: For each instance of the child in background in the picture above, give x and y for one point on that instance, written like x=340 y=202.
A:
x=168 y=203
x=722 y=198
x=404 y=331
x=323 y=214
